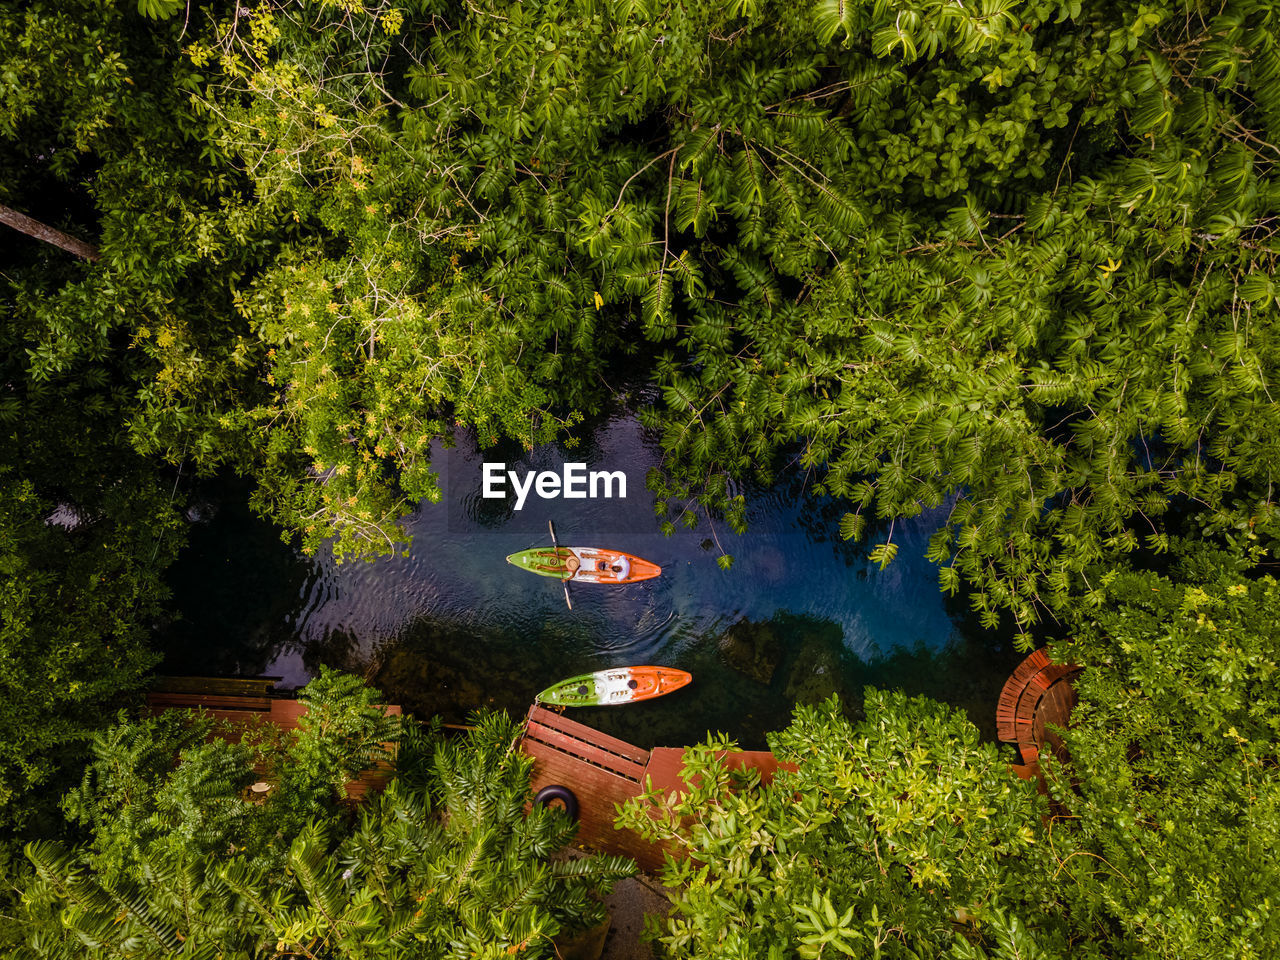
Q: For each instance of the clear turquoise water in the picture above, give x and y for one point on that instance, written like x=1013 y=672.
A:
x=453 y=627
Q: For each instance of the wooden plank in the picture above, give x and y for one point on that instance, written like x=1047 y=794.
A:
x=560 y=723
x=666 y=766
x=561 y=750
x=285 y=713
x=1032 y=700
x=603 y=783
x=1033 y=662
x=1054 y=710
x=585 y=751
x=1012 y=691
x=599 y=790
x=217 y=701
x=225 y=686
x=1039 y=694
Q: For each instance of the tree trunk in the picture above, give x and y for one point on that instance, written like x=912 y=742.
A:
x=34 y=228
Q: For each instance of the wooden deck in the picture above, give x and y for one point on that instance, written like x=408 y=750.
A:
x=604 y=772
x=1037 y=696
x=240 y=712
x=666 y=766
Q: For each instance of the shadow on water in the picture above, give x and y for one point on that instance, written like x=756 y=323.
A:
x=237 y=588
x=747 y=680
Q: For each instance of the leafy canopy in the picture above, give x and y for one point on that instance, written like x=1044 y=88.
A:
x=1015 y=260
x=444 y=863
x=1174 y=800
x=900 y=836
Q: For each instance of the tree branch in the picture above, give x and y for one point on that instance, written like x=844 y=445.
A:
x=34 y=228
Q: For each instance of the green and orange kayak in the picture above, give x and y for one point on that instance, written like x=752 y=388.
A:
x=608 y=687
x=585 y=564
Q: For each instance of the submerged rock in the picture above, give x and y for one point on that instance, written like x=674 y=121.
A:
x=816 y=673
x=201 y=511
x=429 y=686
x=752 y=649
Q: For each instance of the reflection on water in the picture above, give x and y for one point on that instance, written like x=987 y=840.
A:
x=452 y=626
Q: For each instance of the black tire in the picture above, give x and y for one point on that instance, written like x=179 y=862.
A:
x=556 y=792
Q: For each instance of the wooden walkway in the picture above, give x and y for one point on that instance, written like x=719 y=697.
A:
x=604 y=772
x=242 y=704
x=1037 y=696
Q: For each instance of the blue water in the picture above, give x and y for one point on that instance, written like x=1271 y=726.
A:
x=452 y=627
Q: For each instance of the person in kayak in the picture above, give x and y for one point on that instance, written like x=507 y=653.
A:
x=571 y=564
x=622 y=569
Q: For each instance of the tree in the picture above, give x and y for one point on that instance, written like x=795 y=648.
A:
x=1171 y=790
x=900 y=836
x=155 y=784
x=470 y=877
x=79 y=581
x=380 y=340
x=1017 y=260
x=936 y=252
x=475 y=882
x=344 y=733
x=116 y=151
x=178 y=908
x=176 y=783
x=88 y=524
x=1021 y=261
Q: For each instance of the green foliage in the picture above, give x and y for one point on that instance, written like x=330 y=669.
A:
x=75 y=596
x=344 y=732
x=379 y=340
x=135 y=803
x=160 y=9
x=900 y=836
x=476 y=882
x=1015 y=259
x=179 y=908
x=94 y=137
x=986 y=256
x=138 y=804
x=1174 y=797
x=990 y=303
x=113 y=149
x=472 y=877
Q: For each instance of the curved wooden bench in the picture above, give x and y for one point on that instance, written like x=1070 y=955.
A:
x=1006 y=707
x=1035 y=698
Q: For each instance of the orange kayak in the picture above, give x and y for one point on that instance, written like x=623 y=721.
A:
x=585 y=564
x=608 y=687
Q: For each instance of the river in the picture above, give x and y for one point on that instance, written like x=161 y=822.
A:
x=452 y=627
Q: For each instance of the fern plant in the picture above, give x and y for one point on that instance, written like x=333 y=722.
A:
x=177 y=908
x=449 y=867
